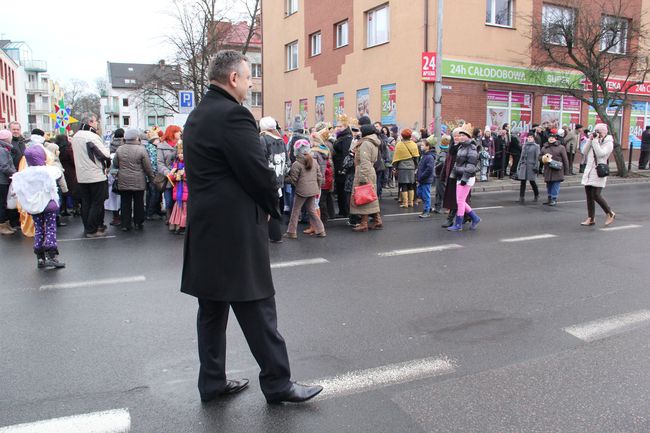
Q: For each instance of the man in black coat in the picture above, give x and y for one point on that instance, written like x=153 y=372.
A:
x=645 y=148
x=232 y=194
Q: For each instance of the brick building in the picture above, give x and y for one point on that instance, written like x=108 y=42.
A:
x=365 y=56
x=9 y=91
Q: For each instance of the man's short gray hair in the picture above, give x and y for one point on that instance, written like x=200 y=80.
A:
x=225 y=63
x=15 y=123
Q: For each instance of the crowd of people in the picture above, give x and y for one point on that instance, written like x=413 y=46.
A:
x=140 y=175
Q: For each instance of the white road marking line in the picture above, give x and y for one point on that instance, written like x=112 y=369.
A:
x=356 y=382
x=419 y=250
x=294 y=263
x=93 y=283
x=402 y=214
x=110 y=421
x=616 y=228
x=599 y=329
x=487 y=208
x=85 y=239
x=571 y=201
x=529 y=238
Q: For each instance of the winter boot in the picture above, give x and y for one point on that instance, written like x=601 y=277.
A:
x=40 y=260
x=553 y=202
x=458 y=224
x=311 y=230
x=450 y=220
x=363 y=225
x=405 y=199
x=547 y=202
x=378 y=224
x=475 y=220
x=425 y=214
x=411 y=196
x=51 y=261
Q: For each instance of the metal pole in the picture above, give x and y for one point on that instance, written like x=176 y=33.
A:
x=425 y=123
x=437 y=94
x=629 y=161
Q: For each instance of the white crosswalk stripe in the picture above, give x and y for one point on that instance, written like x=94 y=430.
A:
x=603 y=328
x=110 y=421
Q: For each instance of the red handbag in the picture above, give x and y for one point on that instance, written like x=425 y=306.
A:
x=364 y=194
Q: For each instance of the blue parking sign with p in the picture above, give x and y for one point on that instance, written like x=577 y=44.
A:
x=185 y=101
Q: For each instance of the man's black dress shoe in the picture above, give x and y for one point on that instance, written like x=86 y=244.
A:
x=232 y=387
x=296 y=394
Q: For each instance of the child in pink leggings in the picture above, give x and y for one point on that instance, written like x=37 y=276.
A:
x=465 y=172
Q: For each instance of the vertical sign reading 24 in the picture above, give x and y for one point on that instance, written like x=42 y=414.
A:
x=428 y=66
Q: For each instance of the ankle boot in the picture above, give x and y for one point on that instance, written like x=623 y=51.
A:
x=475 y=220
x=450 y=220
x=548 y=201
x=311 y=230
x=458 y=224
x=51 y=260
x=411 y=196
x=363 y=225
x=378 y=223
x=40 y=260
x=168 y=215
x=405 y=199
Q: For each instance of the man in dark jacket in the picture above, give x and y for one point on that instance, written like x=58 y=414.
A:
x=276 y=156
x=232 y=193
x=645 y=149
x=341 y=150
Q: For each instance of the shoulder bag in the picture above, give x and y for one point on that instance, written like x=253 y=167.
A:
x=602 y=170
x=364 y=194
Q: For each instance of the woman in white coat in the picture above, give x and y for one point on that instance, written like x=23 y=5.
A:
x=596 y=151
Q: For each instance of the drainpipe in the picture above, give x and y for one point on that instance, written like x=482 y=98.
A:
x=425 y=85
x=437 y=97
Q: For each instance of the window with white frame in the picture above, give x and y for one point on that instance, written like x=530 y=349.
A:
x=292 y=55
x=292 y=7
x=557 y=24
x=614 y=35
x=342 y=34
x=256 y=99
x=499 y=12
x=315 y=42
x=378 y=26
x=256 y=70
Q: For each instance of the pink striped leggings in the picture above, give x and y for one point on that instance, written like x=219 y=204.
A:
x=462 y=191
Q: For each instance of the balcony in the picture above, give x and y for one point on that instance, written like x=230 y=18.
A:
x=111 y=109
x=38 y=88
x=35 y=66
x=39 y=108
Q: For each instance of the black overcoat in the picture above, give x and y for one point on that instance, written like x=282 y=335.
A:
x=231 y=192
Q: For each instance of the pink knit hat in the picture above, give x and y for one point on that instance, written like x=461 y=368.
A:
x=5 y=135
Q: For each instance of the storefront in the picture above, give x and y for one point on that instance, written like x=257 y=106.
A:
x=560 y=111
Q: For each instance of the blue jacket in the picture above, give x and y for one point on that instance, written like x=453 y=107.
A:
x=426 y=172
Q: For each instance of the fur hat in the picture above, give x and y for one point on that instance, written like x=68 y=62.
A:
x=466 y=129
x=601 y=127
x=267 y=123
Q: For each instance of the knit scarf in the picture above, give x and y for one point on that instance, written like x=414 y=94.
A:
x=405 y=150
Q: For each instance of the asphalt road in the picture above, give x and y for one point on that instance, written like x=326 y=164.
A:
x=489 y=320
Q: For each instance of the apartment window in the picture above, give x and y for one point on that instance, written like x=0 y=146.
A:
x=151 y=120
x=126 y=120
x=557 y=24
x=315 y=44
x=342 y=34
x=292 y=7
x=256 y=99
x=256 y=70
x=125 y=102
x=499 y=12
x=378 y=26
x=292 y=56
x=614 y=35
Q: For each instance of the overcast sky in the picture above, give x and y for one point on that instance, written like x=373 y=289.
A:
x=78 y=38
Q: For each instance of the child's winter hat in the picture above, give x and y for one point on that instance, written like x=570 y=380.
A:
x=5 y=135
x=302 y=147
x=35 y=155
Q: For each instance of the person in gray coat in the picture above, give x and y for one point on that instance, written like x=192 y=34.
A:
x=132 y=163
x=528 y=166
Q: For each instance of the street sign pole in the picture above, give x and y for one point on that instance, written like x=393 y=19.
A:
x=437 y=94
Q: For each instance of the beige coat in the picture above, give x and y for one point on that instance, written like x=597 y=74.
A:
x=306 y=182
x=603 y=151
x=365 y=155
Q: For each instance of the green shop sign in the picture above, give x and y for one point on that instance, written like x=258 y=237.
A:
x=509 y=74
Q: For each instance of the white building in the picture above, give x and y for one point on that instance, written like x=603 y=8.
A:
x=139 y=95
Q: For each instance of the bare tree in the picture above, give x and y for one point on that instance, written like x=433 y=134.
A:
x=73 y=91
x=605 y=43
x=253 y=18
x=79 y=99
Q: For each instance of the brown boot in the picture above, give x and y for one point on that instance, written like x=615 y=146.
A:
x=377 y=223
x=311 y=230
x=363 y=226
x=411 y=197
x=405 y=199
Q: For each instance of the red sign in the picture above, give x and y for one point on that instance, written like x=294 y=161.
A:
x=615 y=85
x=428 y=66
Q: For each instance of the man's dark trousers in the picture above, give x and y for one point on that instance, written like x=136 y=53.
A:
x=92 y=204
x=258 y=321
x=341 y=196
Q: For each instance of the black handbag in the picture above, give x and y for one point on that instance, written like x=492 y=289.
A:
x=555 y=165
x=114 y=188
x=583 y=166
x=602 y=170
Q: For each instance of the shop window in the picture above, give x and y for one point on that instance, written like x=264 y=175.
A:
x=499 y=12
x=342 y=34
x=639 y=120
x=292 y=55
x=315 y=43
x=513 y=108
x=593 y=119
x=557 y=24
x=378 y=26
x=614 y=35
x=560 y=111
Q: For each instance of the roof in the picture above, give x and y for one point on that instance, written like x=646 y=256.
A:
x=235 y=34
x=134 y=75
